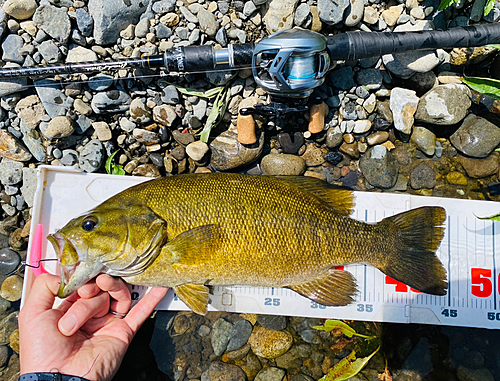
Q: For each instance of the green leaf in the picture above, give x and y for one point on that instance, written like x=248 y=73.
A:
x=330 y=325
x=496 y=46
x=446 y=3
x=347 y=367
x=109 y=162
x=111 y=168
x=490 y=4
x=495 y=217
x=487 y=86
x=215 y=116
x=206 y=94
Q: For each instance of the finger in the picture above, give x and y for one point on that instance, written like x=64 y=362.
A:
x=118 y=291
x=81 y=311
x=42 y=295
x=143 y=309
x=89 y=290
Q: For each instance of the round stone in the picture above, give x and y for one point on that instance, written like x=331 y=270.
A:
x=240 y=333
x=423 y=177
x=14 y=340
x=12 y=288
x=283 y=165
x=476 y=137
x=379 y=167
x=197 y=150
x=9 y=261
x=270 y=374
x=268 y=343
x=221 y=333
x=164 y=114
x=59 y=127
x=20 y=9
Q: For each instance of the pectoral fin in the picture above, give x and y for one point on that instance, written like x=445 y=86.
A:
x=195 y=296
x=194 y=246
x=334 y=288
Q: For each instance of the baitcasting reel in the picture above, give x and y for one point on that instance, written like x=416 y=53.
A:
x=288 y=65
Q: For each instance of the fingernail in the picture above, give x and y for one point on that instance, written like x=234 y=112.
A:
x=67 y=323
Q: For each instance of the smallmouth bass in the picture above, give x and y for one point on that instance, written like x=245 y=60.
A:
x=191 y=231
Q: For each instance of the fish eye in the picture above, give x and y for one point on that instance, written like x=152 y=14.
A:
x=89 y=224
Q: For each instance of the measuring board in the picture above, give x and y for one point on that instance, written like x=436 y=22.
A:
x=469 y=252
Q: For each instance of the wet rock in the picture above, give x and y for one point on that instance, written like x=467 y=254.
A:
x=7 y=326
x=228 y=153
x=11 y=172
x=12 y=288
x=342 y=78
x=279 y=15
x=146 y=170
x=291 y=143
x=4 y=356
x=334 y=137
x=282 y=165
x=273 y=322
x=219 y=371
x=466 y=374
x=403 y=104
x=268 y=343
x=424 y=139
x=350 y=149
x=456 y=178
x=20 y=9
x=182 y=138
x=331 y=12
x=14 y=340
x=197 y=150
x=313 y=156
x=444 y=104
x=9 y=261
x=221 y=334
x=377 y=138
x=164 y=114
x=91 y=156
x=54 y=21
x=301 y=377
x=31 y=110
x=111 y=16
x=111 y=101
x=10 y=148
x=478 y=168
x=240 y=333
x=310 y=336
x=252 y=366
x=29 y=185
x=370 y=78
x=422 y=177
x=476 y=137
x=270 y=374
x=422 y=82
x=379 y=167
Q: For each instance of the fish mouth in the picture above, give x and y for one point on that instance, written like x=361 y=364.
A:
x=68 y=258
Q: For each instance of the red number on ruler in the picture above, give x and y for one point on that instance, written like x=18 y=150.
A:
x=481 y=284
x=400 y=287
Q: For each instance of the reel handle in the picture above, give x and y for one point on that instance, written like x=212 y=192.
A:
x=356 y=45
x=246 y=129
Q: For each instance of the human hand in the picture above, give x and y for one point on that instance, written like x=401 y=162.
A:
x=81 y=337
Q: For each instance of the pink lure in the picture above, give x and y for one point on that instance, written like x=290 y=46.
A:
x=36 y=251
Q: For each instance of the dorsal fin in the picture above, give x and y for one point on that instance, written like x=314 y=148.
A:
x=339 y=199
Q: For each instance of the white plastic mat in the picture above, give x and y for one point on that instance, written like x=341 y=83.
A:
x=469 y=252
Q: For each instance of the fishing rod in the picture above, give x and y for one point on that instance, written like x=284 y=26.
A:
x=288 y=65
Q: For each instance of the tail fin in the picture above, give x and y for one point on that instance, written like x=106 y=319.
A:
x=417 y=236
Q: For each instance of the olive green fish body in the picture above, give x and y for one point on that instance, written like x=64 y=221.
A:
x=191 y=231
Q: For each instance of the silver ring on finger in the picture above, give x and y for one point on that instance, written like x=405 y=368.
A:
x=118 y=314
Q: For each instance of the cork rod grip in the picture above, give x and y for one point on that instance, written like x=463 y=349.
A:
x=317 y=118
x=246 y=129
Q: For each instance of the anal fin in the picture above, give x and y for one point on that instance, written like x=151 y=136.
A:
x=333 y=288
x=195 y=296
